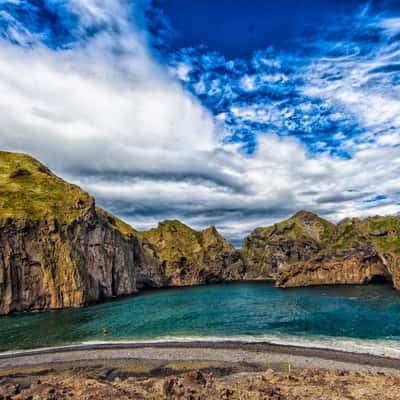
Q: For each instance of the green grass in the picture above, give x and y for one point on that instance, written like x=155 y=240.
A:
x=284 y=366
x=294 y=227
x=384 y=232
x=344 y=239
x=391 y=244
x=37 y=193
x=379 y=224
x=174 y=240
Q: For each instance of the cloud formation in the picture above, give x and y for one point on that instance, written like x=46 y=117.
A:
x=339 y=88
x=234 y=143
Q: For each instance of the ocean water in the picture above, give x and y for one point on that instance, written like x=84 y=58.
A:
x=362 y=319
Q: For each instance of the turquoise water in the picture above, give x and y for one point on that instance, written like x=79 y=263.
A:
x=360 y=318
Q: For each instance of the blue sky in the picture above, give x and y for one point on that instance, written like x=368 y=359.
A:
x=238 y=28
x=251 y=64
x=232 y=113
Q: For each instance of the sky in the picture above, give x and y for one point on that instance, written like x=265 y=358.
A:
x=230 y=113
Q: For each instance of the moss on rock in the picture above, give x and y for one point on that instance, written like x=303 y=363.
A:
x=29 y=190
x=190 y=257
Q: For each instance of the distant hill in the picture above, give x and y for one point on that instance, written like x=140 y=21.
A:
x=190 y=257
x=308 y=250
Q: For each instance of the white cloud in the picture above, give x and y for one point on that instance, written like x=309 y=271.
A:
x=391 y=25
x=97 y=111
x=248 y=83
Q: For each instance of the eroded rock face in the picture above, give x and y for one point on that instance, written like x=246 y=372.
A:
x=306 y=250
x=357 y=252
x=358 y=268
x=297 y=239
x=51 y=264
x=56 y=248
x=189 y=257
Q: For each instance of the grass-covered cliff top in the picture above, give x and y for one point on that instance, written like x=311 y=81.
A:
x=116 y=223
x=173 y=240
x=28 y=189
x=383 y=232
x=302 y=225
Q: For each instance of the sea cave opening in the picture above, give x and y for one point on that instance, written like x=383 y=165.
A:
x=380 y=279
x=377 y=272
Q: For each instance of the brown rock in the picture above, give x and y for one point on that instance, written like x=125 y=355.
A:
x=351 y=256
x=269 y=374
x=56 y=248
x=189 y=257
x=297 y=239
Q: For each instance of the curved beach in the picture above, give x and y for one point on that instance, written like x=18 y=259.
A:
x=230 y=352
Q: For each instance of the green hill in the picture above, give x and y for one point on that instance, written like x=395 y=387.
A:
x=28 y=189
x=290 y=241
x=191 y=257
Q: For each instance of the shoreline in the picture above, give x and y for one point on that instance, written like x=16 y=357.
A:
x=231 y=352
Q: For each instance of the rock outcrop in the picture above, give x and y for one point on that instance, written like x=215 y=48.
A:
x=56 y=248
x=189 y=257
x=311 y=251
x=297 y=239
x=189 y=379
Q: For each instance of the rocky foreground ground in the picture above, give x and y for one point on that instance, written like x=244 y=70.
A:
x=195 y=380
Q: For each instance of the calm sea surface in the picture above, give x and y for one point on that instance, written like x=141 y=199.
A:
x=354 y=318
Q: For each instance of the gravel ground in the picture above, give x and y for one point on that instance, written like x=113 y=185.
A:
x=233 y=353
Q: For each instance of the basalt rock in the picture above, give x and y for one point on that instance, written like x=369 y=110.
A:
x=56 y=248
x=190 y=257
x=358 y=266
x=297 y=239
x=357 y=252
x=52 y=264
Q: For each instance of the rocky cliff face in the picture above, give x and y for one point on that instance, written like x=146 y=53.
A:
x=359 y=266
x=51 y=264
x=357 y=252
x=56 y=248
x=189 y=257
x=297 y=239
x=307 y=250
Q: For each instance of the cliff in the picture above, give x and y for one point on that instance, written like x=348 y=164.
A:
x=306 y=250
x=189 y=257
x=297 y=239
x=56 y=248
x=358 y=252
